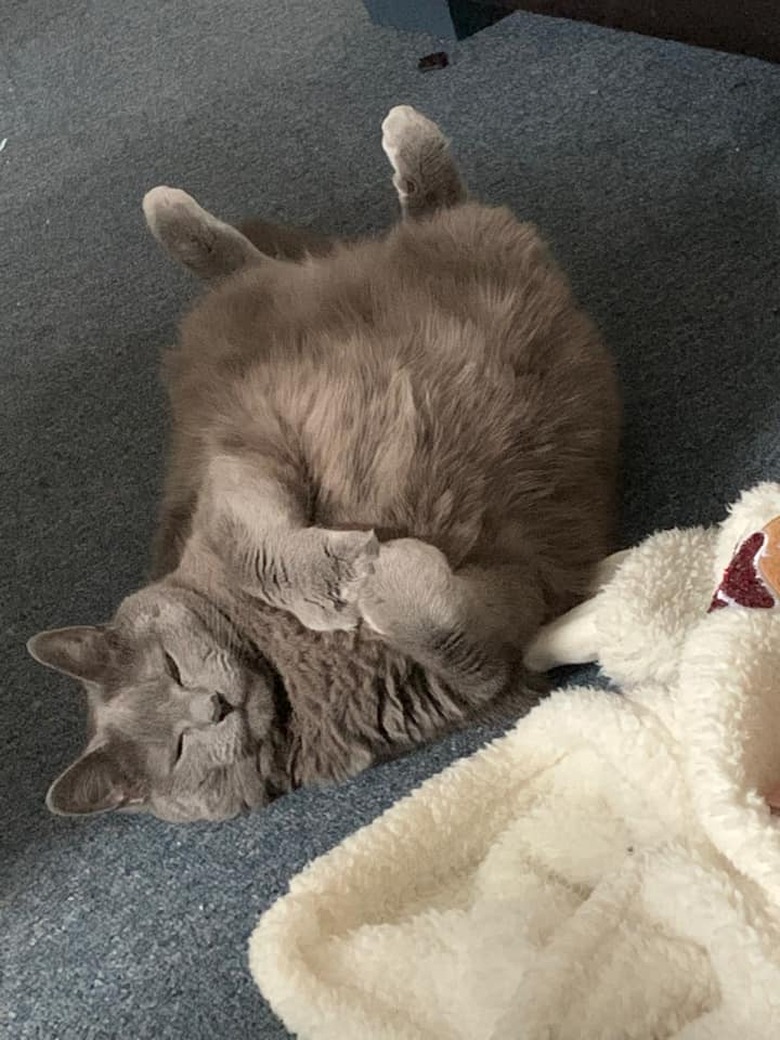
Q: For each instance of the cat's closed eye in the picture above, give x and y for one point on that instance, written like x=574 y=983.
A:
x=179 y=747
x=173 y=669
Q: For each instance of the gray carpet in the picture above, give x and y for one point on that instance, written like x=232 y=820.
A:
x=653 y=168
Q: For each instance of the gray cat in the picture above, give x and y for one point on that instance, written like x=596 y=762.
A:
x=391 y=461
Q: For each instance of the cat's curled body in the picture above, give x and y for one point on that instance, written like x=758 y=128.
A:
x=391 y=461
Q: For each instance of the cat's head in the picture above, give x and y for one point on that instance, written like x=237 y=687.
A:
x=184 y=714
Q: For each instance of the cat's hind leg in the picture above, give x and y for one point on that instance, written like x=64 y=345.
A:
x=208 y=247
x=425 y=175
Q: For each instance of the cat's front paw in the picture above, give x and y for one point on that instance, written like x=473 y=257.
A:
x=332 y=568
x=410 y=594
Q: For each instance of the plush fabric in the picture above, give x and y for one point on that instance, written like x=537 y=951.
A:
x=610 y=868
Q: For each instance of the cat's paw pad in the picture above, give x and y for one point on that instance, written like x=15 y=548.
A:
x=407 y=136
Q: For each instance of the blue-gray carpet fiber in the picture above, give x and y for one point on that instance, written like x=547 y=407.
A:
x=654 y=170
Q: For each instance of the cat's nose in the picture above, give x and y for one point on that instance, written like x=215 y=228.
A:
x=222 y=707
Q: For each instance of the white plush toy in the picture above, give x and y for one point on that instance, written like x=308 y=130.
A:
x=650 y=623
x=610 y=869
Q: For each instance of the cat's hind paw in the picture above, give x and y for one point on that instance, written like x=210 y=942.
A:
x=407 y=136
x=172 y=212
x=205 y=245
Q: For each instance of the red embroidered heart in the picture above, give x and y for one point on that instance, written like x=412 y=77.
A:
x=741 y=583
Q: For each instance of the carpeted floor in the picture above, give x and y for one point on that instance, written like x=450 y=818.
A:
x=654 y=169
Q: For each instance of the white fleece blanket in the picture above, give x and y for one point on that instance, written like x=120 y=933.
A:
x=609 y=869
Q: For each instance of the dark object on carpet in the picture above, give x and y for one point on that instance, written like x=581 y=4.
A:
x=438 y=60
x=653 y=168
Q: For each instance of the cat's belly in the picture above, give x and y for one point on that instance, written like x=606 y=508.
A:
x=407 y=458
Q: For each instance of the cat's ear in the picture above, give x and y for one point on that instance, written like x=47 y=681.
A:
x=94 y=783
x=81 y=652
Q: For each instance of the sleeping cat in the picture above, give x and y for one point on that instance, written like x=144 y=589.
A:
x=391 y=461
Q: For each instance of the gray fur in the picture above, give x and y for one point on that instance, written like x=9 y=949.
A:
x=391 y=461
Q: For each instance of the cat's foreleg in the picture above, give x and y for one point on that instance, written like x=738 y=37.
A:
x=425 y=175
x=253 y=511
